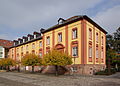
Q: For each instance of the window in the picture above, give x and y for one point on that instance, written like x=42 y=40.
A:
x=21 y=54
x=33 y=51
x=74 y=33
x=97 y=53
x=96 y=37
x=90 y=51
x=75 y=51
x=12 y=50
x=90 y=33
x=21 y=48
x=33 y=46
x=102 y=40
x=40 y=54
x=40 y=43
x=48 y=40
x=27 y=47
x=102 y=54
x=59 y=37
x=17 y=49
x=1 y=54
x=12 y=55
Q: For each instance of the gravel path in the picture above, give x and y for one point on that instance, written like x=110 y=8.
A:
x=22 y=79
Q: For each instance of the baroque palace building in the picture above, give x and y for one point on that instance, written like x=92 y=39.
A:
x=79 y=36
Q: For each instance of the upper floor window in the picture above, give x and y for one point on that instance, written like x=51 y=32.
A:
x=12 y=50
x=102 y=40
x=96 y=37
x=90 y=33
x=75 y=51
x=102 y=53
x=59 y=37
x=17 y=49
x=74 y=33
x=21 y=48
x=26 y=47
x=33 y=46
x=40 y=43
x=48 y=40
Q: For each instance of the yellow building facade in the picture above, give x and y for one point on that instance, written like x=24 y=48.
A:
x=79 y=36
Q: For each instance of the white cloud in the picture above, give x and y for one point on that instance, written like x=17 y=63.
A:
x=109 y=18
x=22 y=13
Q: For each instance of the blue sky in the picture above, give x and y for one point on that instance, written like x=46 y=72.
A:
x=21 y=17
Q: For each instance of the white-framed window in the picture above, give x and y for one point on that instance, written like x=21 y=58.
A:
x=90 y=51
x=40 y=43
x=29 y=38
x=59 y=37
x=75 y=51
x=26 y=47
x=12 y=51
x=102 y=53
x=90 y=33
x=33 y=46
x=17 y=49
x=21 y=48
x=1 y=54
x=74 y=33
x=40 y=54
x=102 y=40
x=97 y=53
x=48 y=40
x=96 y=37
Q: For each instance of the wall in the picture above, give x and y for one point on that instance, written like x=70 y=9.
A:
x=2 y=52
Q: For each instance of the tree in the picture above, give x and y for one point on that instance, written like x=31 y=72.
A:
x=57 y=58
x=113 y=47
x=31 y=60
x=7 y=62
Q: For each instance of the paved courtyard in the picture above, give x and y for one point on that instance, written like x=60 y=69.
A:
x=22 y=79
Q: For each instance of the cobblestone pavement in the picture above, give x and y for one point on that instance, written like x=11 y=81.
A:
x=22 y=79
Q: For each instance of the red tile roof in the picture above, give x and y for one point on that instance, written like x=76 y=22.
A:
x=6 y=43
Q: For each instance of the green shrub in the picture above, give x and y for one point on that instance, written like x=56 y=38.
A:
x=105 y=72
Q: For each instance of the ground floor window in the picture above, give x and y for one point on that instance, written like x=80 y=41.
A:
x=75 y=51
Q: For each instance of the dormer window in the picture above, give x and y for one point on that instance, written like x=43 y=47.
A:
x=29 y=38
x=61 y=21
x=35 y=36
x=23 y=40
x=14 y=43
x=19 y=41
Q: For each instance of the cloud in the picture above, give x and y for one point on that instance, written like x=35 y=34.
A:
x=24 y=13
x=109 y=18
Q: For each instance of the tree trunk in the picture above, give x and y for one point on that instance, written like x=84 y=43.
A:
x=32 y=68
x=56 y=68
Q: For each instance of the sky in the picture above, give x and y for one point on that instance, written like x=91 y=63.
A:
x=21 y=17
